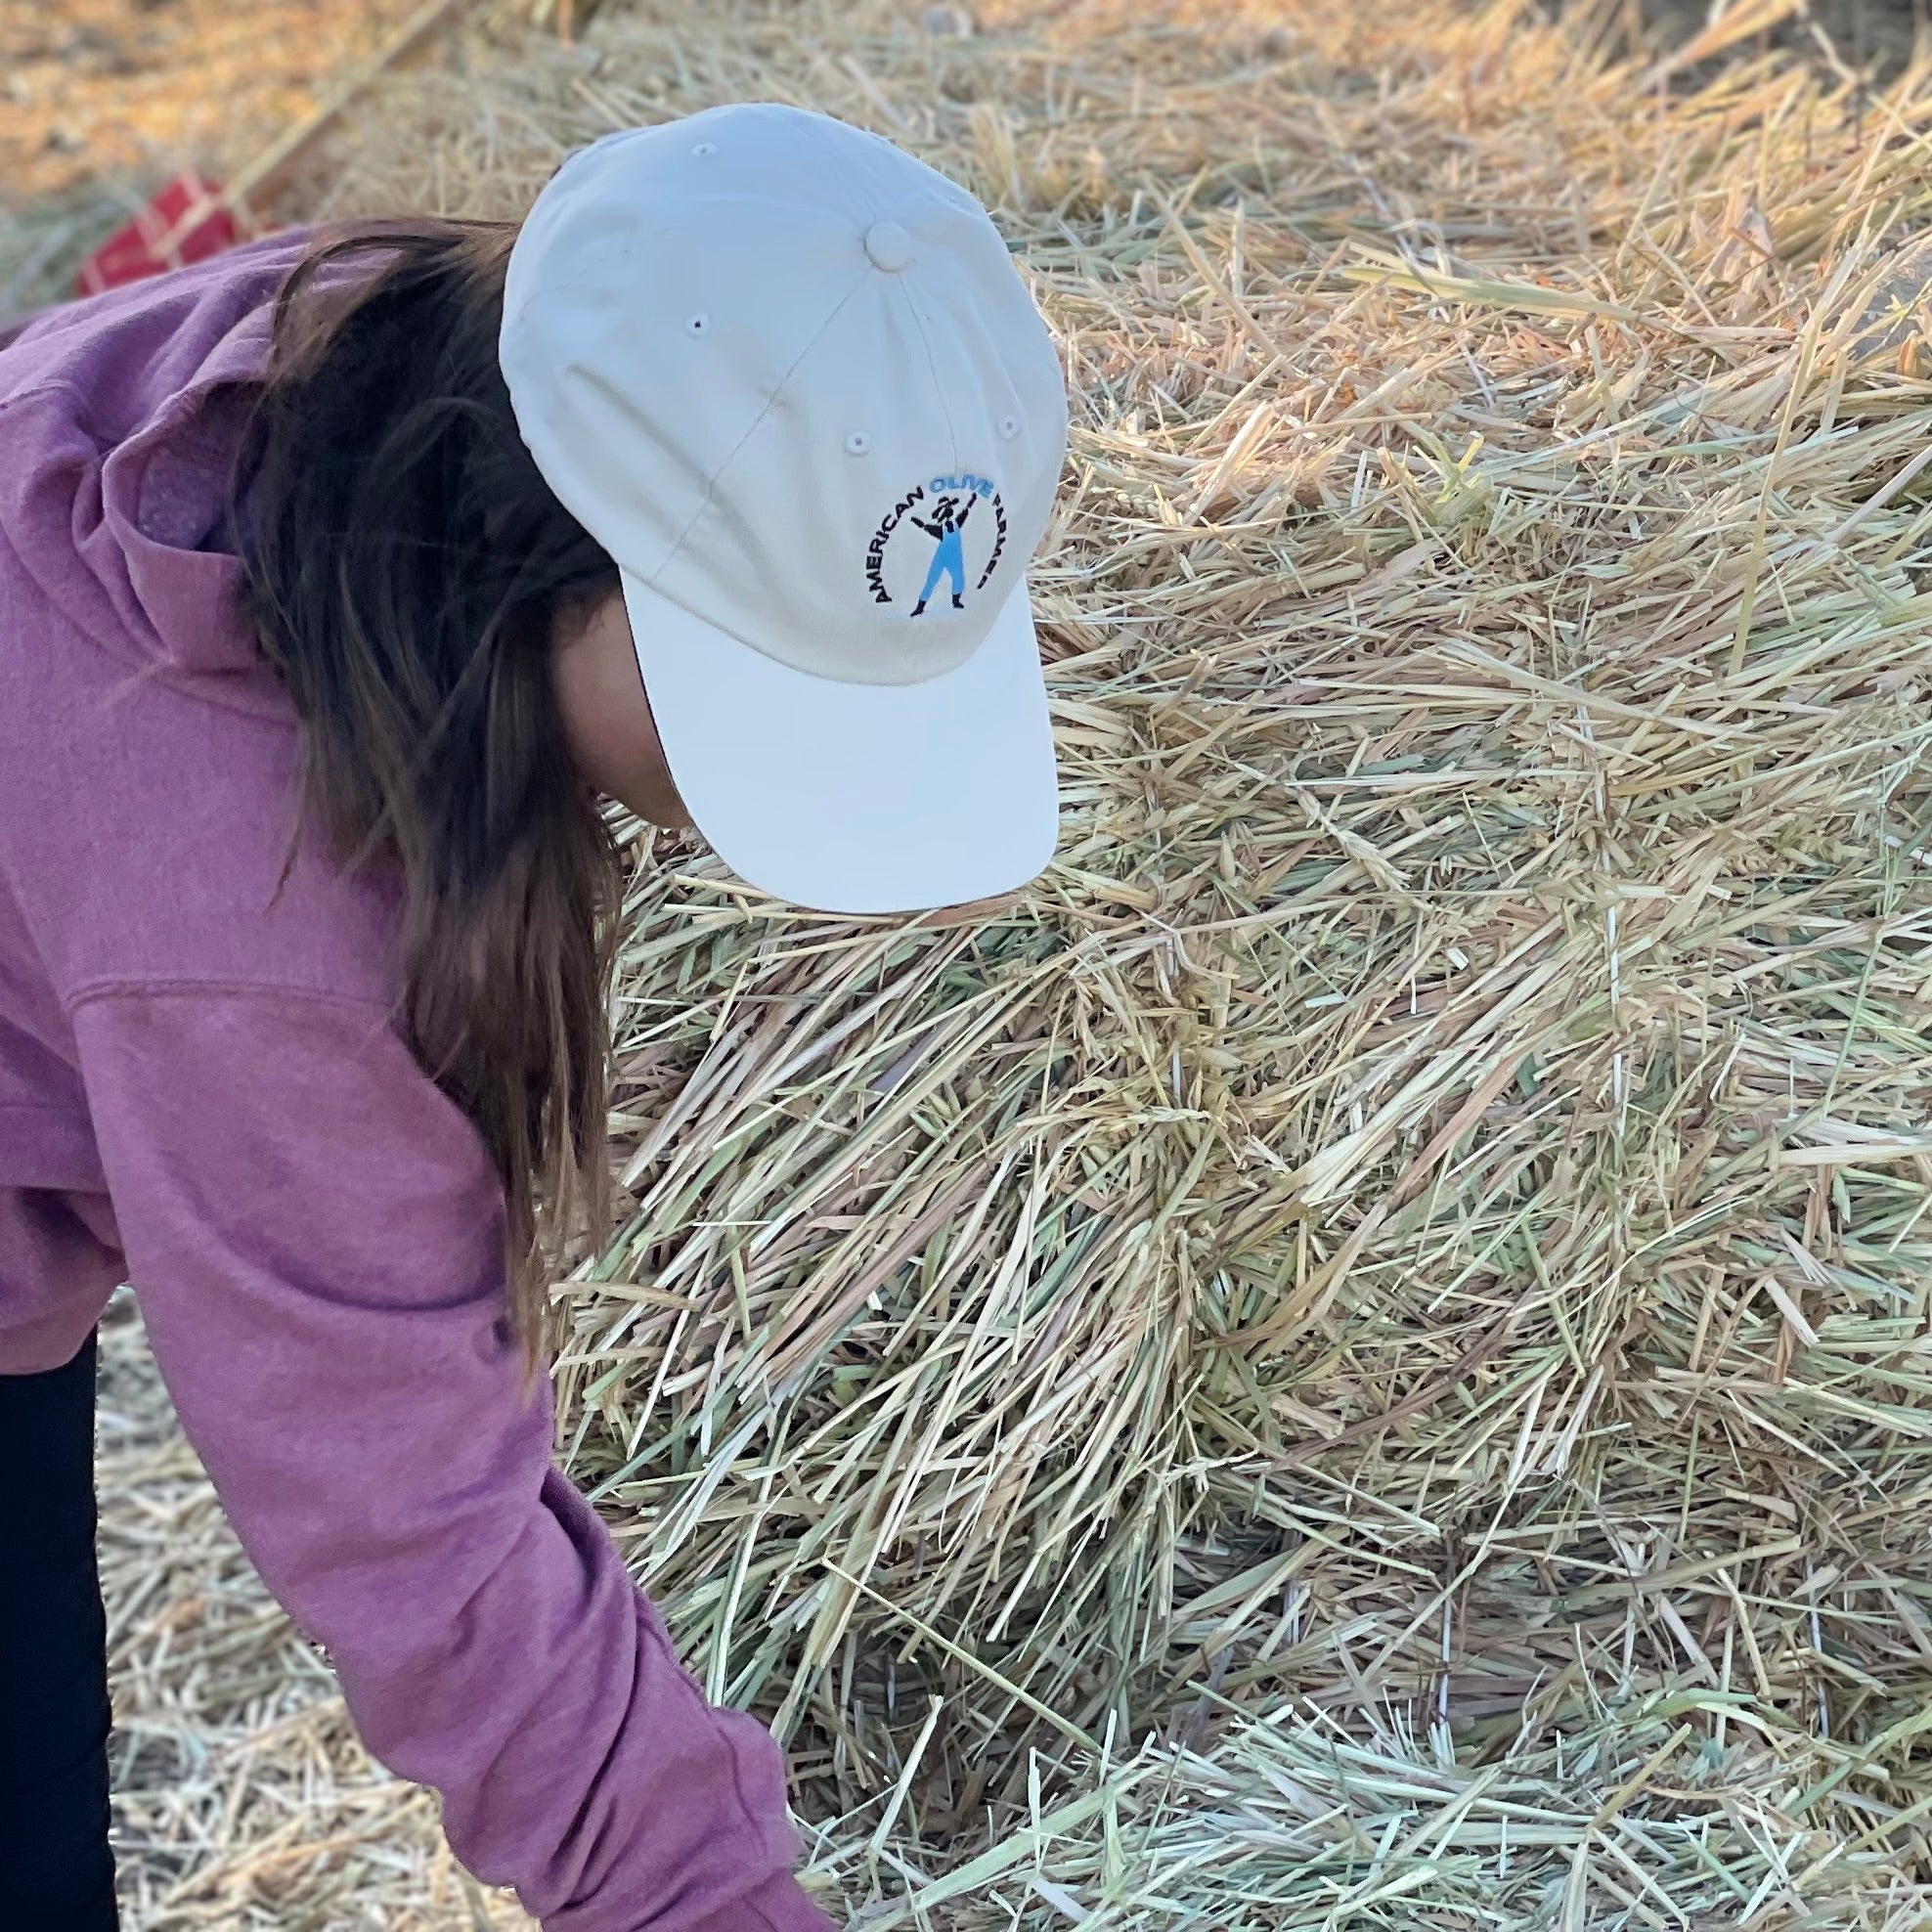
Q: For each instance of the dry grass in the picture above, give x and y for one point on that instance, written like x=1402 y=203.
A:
x=1361 y=1357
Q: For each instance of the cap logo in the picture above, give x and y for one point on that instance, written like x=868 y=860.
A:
x=940 y=542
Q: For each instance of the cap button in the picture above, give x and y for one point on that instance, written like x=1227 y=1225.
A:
x=889 y=246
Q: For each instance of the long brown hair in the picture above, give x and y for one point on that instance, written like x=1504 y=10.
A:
x=405 y=567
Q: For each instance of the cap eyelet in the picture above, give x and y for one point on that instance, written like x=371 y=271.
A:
x=858 y=443
x=1009 y=426
x=698 y=324
x=705 y=148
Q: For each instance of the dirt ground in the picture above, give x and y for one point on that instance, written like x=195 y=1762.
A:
x=98 y=90
x=103 y=100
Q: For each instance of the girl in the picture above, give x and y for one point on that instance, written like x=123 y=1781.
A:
x=337 y=581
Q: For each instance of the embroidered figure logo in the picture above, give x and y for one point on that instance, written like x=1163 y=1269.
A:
x=948 y=556
x=942 y=510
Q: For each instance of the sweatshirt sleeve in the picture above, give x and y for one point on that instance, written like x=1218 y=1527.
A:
x=315 y=1236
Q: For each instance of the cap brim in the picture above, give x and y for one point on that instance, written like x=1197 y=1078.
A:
x=857 y=798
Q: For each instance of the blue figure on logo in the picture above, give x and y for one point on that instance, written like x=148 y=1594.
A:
x=949 y=555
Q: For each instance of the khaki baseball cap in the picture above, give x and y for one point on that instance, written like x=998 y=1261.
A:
x=789 y=378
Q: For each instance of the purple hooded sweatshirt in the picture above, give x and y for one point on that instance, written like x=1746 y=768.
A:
x=202 y=1091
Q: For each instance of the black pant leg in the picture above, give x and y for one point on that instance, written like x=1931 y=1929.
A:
x=57 y=1871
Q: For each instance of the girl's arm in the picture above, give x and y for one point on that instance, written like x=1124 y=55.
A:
x=315 y=1236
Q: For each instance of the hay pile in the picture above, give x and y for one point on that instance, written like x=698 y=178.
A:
x=1362 y=1357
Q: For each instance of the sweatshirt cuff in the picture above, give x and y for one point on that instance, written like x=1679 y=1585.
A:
x=779 y=1904
x=782 y=1905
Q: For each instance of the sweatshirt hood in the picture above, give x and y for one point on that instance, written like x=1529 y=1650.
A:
x=120 y=416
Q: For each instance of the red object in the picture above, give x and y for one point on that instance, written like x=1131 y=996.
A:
x=184 y=222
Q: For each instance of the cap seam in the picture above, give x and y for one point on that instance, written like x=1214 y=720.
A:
x=875 y=212
x=751 y=429
x=932 y=370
